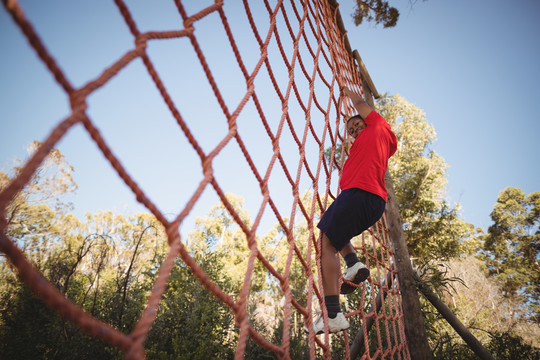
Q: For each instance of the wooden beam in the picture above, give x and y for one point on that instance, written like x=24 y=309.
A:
x=339 y=20
x=415 y=330
x=368 y=96
x=452 y=319
x=354 y=54
x=365 y=75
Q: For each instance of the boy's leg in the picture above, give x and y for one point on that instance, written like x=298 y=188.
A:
x=330 y=267
x=330 y=279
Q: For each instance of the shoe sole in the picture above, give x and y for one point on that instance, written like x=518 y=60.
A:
x=360 y=276
x=331 y=332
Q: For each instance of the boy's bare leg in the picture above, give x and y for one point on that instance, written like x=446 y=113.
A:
x=330 y=279
x=330 y=267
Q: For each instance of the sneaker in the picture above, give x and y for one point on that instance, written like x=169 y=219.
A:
x=337 y=324
x=355 y=274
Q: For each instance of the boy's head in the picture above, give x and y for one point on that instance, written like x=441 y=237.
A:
x=355 y=125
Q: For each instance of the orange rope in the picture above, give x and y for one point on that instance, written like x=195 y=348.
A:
x=327 y=51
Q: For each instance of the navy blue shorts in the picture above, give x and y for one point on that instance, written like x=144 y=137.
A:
x=353 y=211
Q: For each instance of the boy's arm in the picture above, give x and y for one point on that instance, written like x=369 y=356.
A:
x=361 y=106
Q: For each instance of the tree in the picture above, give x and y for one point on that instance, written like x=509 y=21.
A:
x=511 y=247
x=219 y=233
x=33 y=219
x=105 y=263
x=478 y=302
x=31 y=214
x=377 y=11
x=432 y=225
x=220 y=246
x=192 y=323
x=38 y=223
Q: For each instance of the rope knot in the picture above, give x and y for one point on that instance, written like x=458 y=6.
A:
x=251 y=84
x=275 y=145
x=207 y=167
x=140 y=42
x=77 y=100
x=188 y=24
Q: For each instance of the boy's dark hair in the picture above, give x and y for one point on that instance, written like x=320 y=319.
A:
x=354 y=116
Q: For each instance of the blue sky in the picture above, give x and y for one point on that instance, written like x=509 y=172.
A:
x=472 y=67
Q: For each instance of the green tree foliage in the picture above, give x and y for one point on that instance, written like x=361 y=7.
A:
x=432 y=226
x=106 y=272
x=192 y=323
x=508 y=345
x=504 y=346
x=511 y=248
x=31 y=214
x=220 y=234
x=377 y=11
x=219 y=237
x=106 y=264
x=480 y=304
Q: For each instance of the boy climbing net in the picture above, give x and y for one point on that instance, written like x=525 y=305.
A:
x=360 y=204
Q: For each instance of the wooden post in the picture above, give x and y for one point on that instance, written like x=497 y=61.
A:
x=415 y=330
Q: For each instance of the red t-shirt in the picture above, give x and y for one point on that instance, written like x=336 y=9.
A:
x=368 y=157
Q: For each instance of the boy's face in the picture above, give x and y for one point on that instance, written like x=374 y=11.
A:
x=354 y=126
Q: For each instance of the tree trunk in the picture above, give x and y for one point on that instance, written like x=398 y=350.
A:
x=415 y=330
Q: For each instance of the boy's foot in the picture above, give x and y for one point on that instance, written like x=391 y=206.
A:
x=337 y=324
x=355 y=274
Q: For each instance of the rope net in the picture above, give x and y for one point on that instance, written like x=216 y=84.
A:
x=289 y=59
